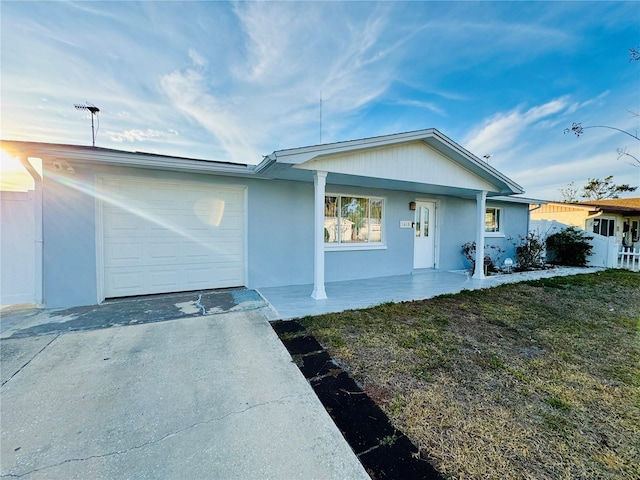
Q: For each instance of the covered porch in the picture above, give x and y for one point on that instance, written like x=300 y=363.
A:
x=295 y=301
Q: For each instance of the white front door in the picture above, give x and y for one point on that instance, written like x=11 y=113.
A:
x=424 y=231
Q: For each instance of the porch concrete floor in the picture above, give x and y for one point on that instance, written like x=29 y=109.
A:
x=295 y=301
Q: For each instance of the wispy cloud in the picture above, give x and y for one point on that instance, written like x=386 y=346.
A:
x=501 y=130
x=139 y=135
x=187 y=91
x=286 y=63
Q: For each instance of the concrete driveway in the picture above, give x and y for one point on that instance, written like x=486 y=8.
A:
x=199 y=397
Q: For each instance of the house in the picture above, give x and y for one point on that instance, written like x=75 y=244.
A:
x=618 y=219
x=111 y=223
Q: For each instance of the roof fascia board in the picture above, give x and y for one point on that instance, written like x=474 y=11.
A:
x=122 y=158
x=296 y=156
x=442 y=143
x=464 y=154
x=507 y=198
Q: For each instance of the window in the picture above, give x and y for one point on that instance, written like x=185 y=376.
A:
x=493 y=221
x=604 y=226
x=352 y=220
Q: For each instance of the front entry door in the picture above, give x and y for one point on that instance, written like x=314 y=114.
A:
x=424 y=230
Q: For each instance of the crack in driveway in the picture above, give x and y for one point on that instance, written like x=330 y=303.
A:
x=156 y=441
x=29 y=361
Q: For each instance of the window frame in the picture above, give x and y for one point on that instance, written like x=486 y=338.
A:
x=611 y=226
x=500 y=216
x=339 y=245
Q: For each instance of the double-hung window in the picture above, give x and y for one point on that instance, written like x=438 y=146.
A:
x=351 y=220
x=493 y=219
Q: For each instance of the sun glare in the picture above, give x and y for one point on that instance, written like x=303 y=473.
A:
x=13 y=176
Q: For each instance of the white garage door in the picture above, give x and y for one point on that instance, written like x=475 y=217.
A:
x=163 y=236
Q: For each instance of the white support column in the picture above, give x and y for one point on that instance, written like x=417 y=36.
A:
x=481 y=207
x=319 y=184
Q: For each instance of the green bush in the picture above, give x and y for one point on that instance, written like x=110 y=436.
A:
x=569 y=247
x=529 y=252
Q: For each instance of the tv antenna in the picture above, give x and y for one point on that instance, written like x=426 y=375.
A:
x=94 y=111
x=320 y=117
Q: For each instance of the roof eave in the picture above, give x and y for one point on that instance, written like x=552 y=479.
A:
x=122 y=158
x=439 y=141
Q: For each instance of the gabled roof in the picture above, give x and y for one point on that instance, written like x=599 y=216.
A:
x=280 y=163
x=427 y=155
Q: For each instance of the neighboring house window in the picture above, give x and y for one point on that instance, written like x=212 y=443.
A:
x=352 y=220
x=604 y=226
x=493 y=221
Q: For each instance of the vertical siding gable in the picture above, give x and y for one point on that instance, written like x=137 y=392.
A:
x=412 y=162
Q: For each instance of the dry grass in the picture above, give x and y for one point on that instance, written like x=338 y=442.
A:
x=538 y=380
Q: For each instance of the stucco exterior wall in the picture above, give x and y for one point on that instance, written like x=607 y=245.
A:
x=279 y=232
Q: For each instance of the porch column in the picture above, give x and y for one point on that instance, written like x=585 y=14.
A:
x=481 y=207
x=319 y=184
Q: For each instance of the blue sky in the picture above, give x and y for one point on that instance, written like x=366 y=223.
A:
x=236 y=81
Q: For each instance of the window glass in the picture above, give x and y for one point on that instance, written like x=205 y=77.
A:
x=425 y=226
x=492 y=220
x=375 y=220
x=354 y=213
x=331 y=219
x=604 y=227
x=418 y=221
x=350 y=219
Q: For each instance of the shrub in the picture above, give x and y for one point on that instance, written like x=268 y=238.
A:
x=530 y=251
x=491 y=258
x=569 y=247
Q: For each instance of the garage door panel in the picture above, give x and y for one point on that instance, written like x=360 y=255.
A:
x=164 y=252
x=120 y=282
x=120 y=221
x=125 y=253
x=172 y=236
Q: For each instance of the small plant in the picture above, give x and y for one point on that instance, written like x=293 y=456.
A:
x=569 y=247
x=492 y=257
x=530 y=251
x=469 y=252
x=557 y=403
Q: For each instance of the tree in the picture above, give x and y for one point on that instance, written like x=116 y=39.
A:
x=595 y=189
x=569 y=193
x=578 y=129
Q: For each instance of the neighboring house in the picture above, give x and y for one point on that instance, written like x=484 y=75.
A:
x=116 y=223
x=618 y=219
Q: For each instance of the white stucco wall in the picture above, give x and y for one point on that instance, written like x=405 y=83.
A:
x=279 y=231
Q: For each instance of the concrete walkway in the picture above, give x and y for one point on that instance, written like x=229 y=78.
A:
x=206 y=397
x=296 y=302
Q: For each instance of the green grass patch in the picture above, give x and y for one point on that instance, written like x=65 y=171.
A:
x=538 y=379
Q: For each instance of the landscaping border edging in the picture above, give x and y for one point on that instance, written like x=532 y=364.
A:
x=384 y=452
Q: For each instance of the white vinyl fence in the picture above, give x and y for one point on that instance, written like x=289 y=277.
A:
x=606 y=252
x=17 y=262
x=629 y=259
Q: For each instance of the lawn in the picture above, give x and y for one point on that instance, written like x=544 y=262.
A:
x=536 y=380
